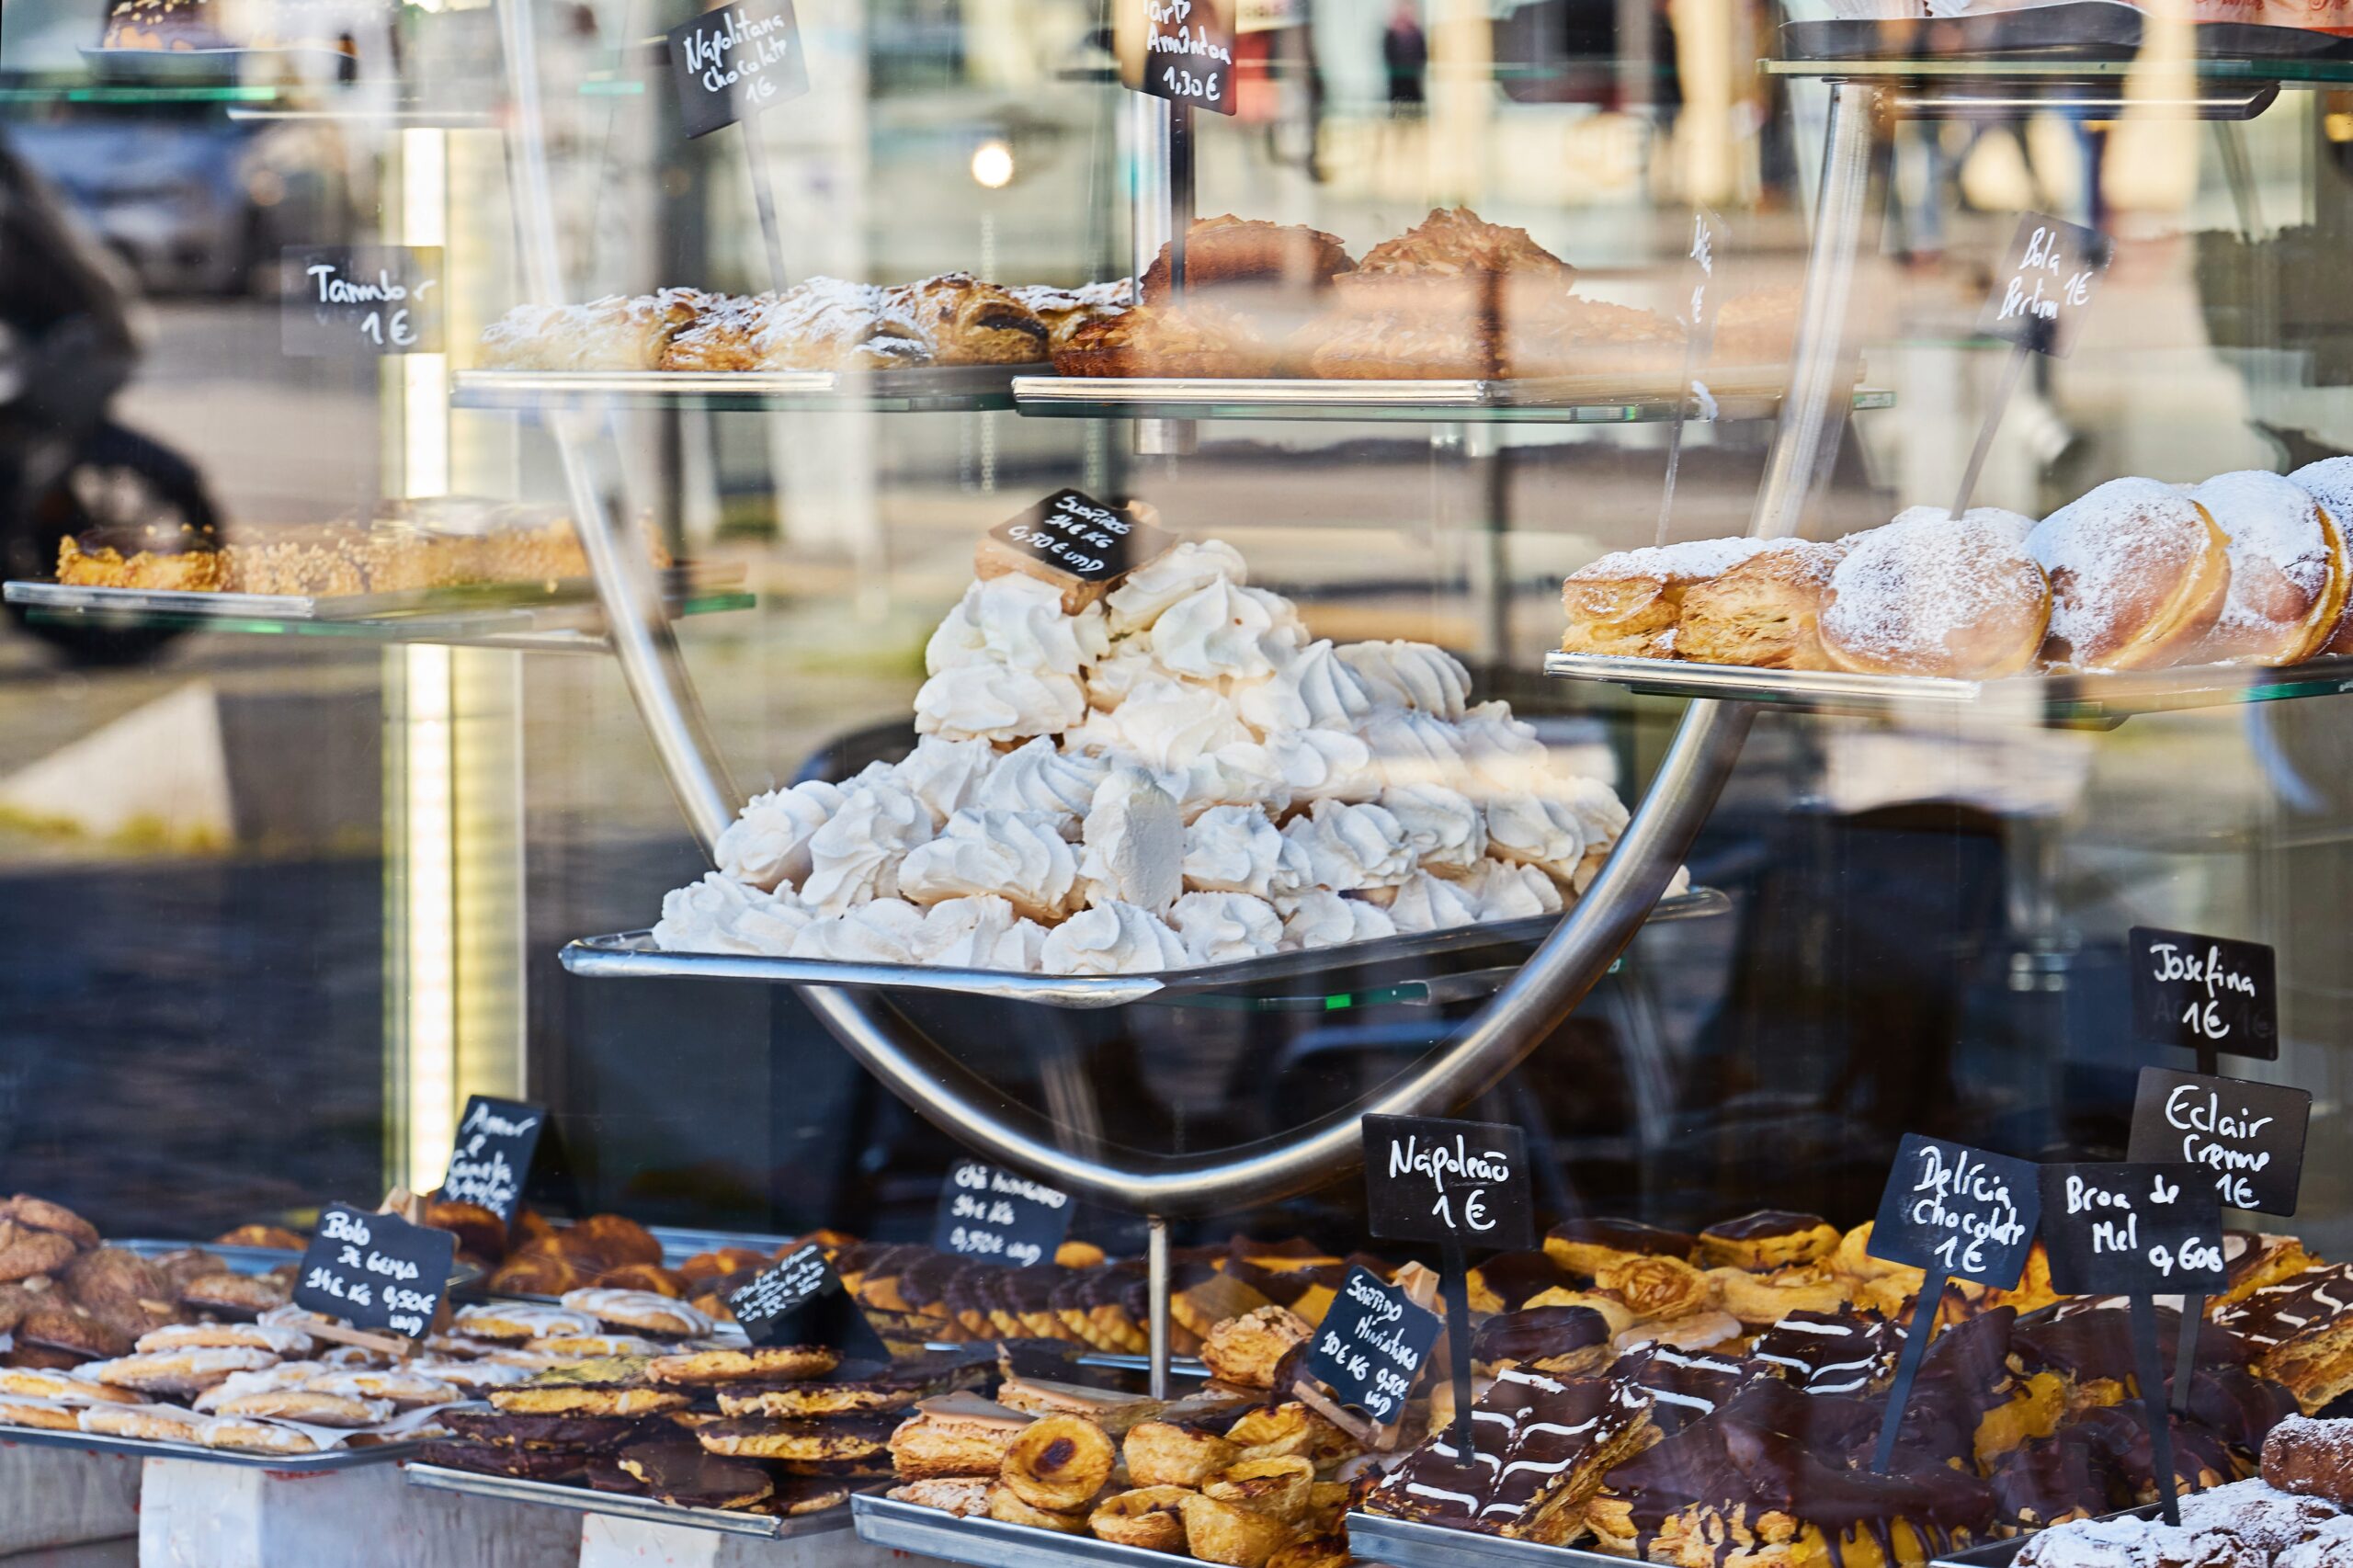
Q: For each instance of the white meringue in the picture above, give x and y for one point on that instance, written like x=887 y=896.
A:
x=699 y=917
x=1111 y=938
x=944 y=775
x=1111 y=679
x=770 y=925
x=1445 y=827
x=1244 y=775
x=1152 y=587
x=980 y=932
x=1505 y=891
x=1035 y=777
x=994 y=701
x=1225 y=631
x=1424 y=903
x=1411 y=674
x=1016 y=620
x=1349 y=847
x=1221 y=927
x=1322 y=919
x=1020 y=855
x=1408 y=747
x=1312 y=688
x=1135 y=843
x=1236 y=849
x=1323 y=764
x=854 y=857
x=887 y=930
x=1536 y=829
x=1500 y=752
x=767 y=844
x=1169 y=725
x=1602 y=815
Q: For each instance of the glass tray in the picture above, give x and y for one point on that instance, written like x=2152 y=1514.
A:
x=987 y=1544
x=2065 y=700
x=1406 y=1543
x=651 y=1510
x=1740 y=393
x=631 y=955
x=926 y=389
x=344 y=1457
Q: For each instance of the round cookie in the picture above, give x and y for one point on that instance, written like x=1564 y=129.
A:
x=308 y=1407
x=41 y=1214
x=180 y=1372
x=2138 y=573
x=242 y=1295
x=1934 y=595
x=158 y=1423
x=26 y=1251
x=643 y=1312
x=2288 y=571
x=249 y=1436
x=766 y=1362
x=62 y=1326
x=521 y=1321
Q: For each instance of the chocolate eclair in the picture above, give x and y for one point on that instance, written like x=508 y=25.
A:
x=1566 y=1438
x=2253 y=1261
x=2240 y=1407
x=2120 y=1436
x=2093 y=1350
x=1768 y=1239
x=1583 y=1245
x=1849 y=1352
x=1567 y=1341
x=2041 y=1483
x=2303 y=1330
x=1684 y=1386
x=1509 y=1280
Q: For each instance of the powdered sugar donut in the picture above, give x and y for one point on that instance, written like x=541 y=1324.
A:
x=2138 y=572
x=1934 y=595
x=2287 y=570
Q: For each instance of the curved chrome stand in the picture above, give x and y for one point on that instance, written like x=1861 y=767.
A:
x=931 y=1079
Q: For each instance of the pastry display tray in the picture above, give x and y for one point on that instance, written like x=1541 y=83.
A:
x=987 y=1544
x=632 y=955
x=485 y=597
x=1738 y=394
x=1407 y=1543
x=344 y=1457
x=2071 y=700
x=924 y=389
x=315 y=63
x=258 y=1260
x=650 y=1510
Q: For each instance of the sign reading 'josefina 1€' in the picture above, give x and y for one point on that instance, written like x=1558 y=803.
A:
x=2250 y=1137
x=736 y=59
x=1430 y=1179
x=377 y=1271
x=2204 y=994
x=993 y=1216
x=1957 y=1211
x=1371 y=1345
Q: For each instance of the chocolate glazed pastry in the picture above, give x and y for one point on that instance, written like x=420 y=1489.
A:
x=483 y=1459
x=579 y=1434
x=2239 y=1407
x=1507 y=1281
x=1542 y=1335
x=1832 y=1352
x=1582 y=1246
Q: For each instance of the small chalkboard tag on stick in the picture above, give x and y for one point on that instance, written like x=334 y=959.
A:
x=2137 y=1229
x=2209 y=995
x=1074 y=542
x=2248 y=1138
x=1953 y=1213
x=1371 y=1345
x=993 y=1216
x=497 y=1141
x=378 y=1272
x=351 y=300
x=2042 y=294
x=1182 y=52
x=801 y=1300
x=728 y=64
x=1456 y=1182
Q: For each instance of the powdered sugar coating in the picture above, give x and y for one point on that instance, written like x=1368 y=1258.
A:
x=2280 y=560
x=1692 y=561
x=1919 y=593
x=2330 y=481
x=2101 y=553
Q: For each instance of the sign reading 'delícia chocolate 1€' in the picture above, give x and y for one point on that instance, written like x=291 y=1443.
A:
x=993 y=1216
x=801 y=1300
x=2042 y=288
x=2132 y=1228
x=2248 y=1139
x=496 y=1143
x=1371 y=1345
x=1072 y=533
x=1430 y=1179
x=1187 y=54
x=736 y=59
x=375 y=1270
x=2206 y=993
x=1955 y=1210
x=360 y=300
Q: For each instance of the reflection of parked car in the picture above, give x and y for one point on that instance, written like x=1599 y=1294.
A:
x=194 y=201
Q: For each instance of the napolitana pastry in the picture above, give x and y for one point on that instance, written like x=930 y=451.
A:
x=1763 y=612
x=1933 y=594
x=1629 y=603
x=2138 y=575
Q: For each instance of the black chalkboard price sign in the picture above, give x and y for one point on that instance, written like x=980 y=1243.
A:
x=2209 y=995
x=498 y=1139
x=353 y=300
x=993 y=1216
x=377 y=1271
x=2248 y=1139
x=1430 y=1179
x=2045 y=283
x=1187 y=53
x=1074 y=535
x=801 y=1300
x=1372 y=1345
x=736 y=59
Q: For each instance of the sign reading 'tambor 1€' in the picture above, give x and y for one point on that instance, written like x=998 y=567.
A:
x=1430 y=1179
x=360 y=300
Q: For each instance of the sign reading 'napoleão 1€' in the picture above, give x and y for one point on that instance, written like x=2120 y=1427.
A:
x=736 y=60
x=1430 y=1179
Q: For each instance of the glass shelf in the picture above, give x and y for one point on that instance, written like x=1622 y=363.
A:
x=2287 y=70
x=1580 y=401
x=932 y=390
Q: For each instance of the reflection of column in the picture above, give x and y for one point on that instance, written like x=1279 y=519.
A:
x=1703 y=129
x=1461 y=98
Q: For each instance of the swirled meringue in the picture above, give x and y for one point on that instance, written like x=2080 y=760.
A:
x=886 y=930
x=1236 y=849
x=1499 y=751
x=1221 y=927
x=1152 y=587
x=1169 y=725
x=720 y=915
x=1505 y=891
x=1323 y=764
x=1419 y=675
x=768 y=845
x=1246 y=774
x=854 y=857
x=1408 y=747
x=944 y=775
x=1601 y=815
x=1536 y=829
x=1322 y=919
x=769 y=926
x=1111 y=679
x=1445 y=827
x=1016 y=620
x=1312 y=688
x=1225 y=631
x=1136 y=842
x=1035 y=777
x=1349 y=847
x=1424 y=903
x=1111 y=938
x=993 y=701
x=980 y=932
x=1020 y=855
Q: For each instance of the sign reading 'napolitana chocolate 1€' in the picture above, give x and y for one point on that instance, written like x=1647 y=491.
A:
x=736 y=59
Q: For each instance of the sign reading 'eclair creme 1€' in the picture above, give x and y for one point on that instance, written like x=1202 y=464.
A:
x=1074 y=535
x=2248 y=1137
x=734 y=61
x=1429 y=1179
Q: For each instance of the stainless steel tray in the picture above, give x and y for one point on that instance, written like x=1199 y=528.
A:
x=488 y=598
x=1405 y=1543
x=987 y=1544
x=1747 y=392
x=2068 y=699
x=149 y=1448
x=929 y=388
x=631 y=955
x=580 y=1499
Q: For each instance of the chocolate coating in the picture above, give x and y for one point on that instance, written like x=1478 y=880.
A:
x=1535 y=1333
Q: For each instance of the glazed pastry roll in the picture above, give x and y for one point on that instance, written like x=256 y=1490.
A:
x=968 y=322
x=829 y=325
x=1064 y=310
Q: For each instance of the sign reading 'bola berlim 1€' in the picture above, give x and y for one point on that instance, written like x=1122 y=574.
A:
x=2042 y=289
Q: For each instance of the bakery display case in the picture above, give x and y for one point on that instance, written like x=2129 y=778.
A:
x=1201 y=628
